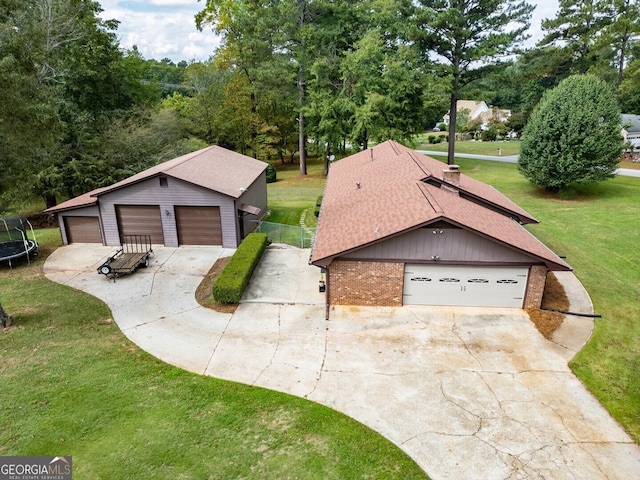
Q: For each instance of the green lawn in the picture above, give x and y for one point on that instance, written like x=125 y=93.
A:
x=476 y=148
x=72 y=384
x=292 y=194
x=598 y=233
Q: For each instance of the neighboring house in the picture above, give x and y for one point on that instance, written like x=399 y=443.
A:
x=397 y=227
x=210 y=197
x=479 y=110
x=631 y=131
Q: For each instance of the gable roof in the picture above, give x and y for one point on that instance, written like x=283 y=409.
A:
x=391 y=189
x=470 y=105
x=214 y=168
x=630 y=123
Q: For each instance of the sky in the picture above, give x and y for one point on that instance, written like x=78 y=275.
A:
x=166 y=28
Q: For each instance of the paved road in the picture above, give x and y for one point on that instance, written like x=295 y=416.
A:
x=468 y=393
x=625 y=172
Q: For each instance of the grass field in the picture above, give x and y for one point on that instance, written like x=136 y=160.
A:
x=72 y=384
x=476 y=148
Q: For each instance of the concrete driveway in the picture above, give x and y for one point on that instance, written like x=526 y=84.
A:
x=467 y=393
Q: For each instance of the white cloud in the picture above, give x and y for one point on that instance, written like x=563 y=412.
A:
x=167 y=29
x=546 y=9
x=161 y=28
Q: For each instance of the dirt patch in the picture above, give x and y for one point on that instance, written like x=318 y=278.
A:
x=554 y=297
x=203 y=292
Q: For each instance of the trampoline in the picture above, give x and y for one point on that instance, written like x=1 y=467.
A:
x=17 y=239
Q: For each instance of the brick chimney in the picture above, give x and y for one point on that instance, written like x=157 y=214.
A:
x=451 y=175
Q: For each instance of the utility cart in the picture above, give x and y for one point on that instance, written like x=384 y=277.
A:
x=134 y=253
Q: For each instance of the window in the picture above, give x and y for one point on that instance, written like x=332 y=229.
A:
x=478 y=280
x=450 y=280
x=420 y=279
x=164 y=182
x=508 y=281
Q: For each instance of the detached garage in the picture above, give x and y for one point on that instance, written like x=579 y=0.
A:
x=400 y=228
x=210 y=197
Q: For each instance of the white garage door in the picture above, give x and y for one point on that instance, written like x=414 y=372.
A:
x=465 y=286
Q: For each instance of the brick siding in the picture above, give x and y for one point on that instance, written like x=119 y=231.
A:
x=535 y=288
x=365 y=283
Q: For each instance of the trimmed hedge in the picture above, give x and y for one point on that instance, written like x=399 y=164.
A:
x=234 y=278
x=316 y=211
x=271 y=173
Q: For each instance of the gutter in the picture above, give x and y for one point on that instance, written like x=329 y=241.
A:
x=588 y=315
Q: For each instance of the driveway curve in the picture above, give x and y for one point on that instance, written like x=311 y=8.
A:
x=467 y=393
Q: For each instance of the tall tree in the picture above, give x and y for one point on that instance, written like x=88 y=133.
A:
x=620 y=33
x=72 y=81
x=384 y=78
x=264 y=41
x=573 y=135
x=468 y=37
x=576 y=29
x=629 y=90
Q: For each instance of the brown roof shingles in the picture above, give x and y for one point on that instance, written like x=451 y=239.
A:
x=214 y=168
x=380 y=192
x=364 y=200
x=85 y=200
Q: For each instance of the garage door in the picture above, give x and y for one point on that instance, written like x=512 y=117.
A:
x=198 y=225
x=140 y=220
x=465 y=286
x=82 y=229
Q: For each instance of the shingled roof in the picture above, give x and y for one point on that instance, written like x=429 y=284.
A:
x=214 y=168
x=390 y=189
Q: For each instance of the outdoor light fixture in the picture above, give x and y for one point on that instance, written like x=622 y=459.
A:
x=166 y=212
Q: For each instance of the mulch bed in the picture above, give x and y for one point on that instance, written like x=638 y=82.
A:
x=203 y=292
x=554 y=297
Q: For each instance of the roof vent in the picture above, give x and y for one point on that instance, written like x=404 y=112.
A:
x=371 y=151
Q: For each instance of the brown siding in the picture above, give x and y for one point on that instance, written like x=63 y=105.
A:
x=535 y=288
x=452 y=244
x=365 y=283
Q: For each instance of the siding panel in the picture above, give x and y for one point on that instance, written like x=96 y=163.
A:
x=452 y=244
x=255 y=195
x=175 y=193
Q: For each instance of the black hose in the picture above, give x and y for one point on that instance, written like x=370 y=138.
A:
x=588 y=315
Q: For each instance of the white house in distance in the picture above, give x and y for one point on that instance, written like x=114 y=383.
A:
x=479 y=110
x=631 y=131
